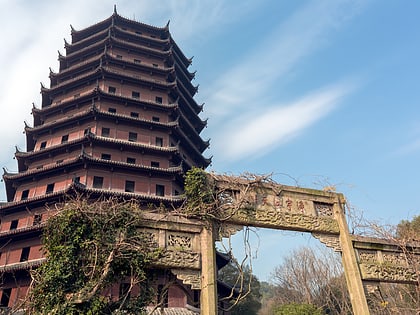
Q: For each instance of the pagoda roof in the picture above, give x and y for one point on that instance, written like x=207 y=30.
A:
x=179 y=54
x=83 y=158
x=24 y=230
x=118 y=31
x=26 y=265
x=115 y=19
x=114 y=41
x=93 y=111
x=91 y=137
x=107 y=56
x=101 y=70
x=97 y=91
x=75 y=187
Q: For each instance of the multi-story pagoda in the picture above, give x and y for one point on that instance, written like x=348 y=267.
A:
x=119 y=119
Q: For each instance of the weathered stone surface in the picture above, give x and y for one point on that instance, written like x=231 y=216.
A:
x=387 y=273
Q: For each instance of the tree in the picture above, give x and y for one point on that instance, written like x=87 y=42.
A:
x=409 y=231
x=392 y=298
x=297 y=309
x=246 y=286
x=91 y=246
x=313 y=278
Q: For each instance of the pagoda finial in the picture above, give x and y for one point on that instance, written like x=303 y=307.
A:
x=115 y=9
x=167 y=24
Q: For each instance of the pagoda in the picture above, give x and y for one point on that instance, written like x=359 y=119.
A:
x=119 y=119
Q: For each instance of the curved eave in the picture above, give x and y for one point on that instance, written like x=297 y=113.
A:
x=194 y=109
x=94 y=112
x=106 y=56
x=115 y=42
x=22 y=231
x=172 y=200
x=183 y=59
x=27 y=265
x=105 y=70
x=86 y=158
x=78 y=35
x=199 y=158
x=21 y=156
x=143 y=103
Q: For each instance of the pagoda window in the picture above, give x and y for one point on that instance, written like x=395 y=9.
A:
x=135 y=94
x=76 y=95
x=160 y=190
x=37 y=219
x=87 y=131
x=139 y=33
x=105 y=132
x=106 y=156
x=112 y=110
x=59 y=161
x=134 y=114
x=154 y=164
x=112 y=89
x=155 y=65
x=129 y=186
x=14 y=224
x=43 y=145
x=76 y=179
x=137 y=61
x=25 y=194
x=5 y=297
x=131 y=160
x=50 y=188
x=98 y=181
x=64 y=138
x=158 y=99
x=155 y=118
x=24 y=255
x=159 y=141
x=119 y=57
x=132 y=136
x=39 y=167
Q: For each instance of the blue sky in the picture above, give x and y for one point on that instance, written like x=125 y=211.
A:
x=318 y=93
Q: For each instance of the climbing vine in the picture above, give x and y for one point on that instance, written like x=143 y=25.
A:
x=91 y=247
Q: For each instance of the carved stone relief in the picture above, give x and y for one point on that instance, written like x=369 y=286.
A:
x=180 y=241
x=331 y=241
x=367 y=256
x=191 y=277
x=387 y=273
x=323 y=209
x=180 y=259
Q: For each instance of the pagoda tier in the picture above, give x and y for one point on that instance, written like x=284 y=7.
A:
x=118 y=120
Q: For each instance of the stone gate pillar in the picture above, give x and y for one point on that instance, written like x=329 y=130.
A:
x=351 y=267
x=208 y=299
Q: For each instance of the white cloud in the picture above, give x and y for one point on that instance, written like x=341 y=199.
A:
x=258 y=132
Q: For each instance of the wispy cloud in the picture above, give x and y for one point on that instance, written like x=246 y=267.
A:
x=258 y=132
x=253 y=79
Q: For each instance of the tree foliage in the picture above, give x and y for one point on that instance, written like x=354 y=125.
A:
x=91 y=246
x=297 y=309
x=409 y=230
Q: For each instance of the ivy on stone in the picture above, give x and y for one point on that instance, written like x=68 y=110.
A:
x=91 y=246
